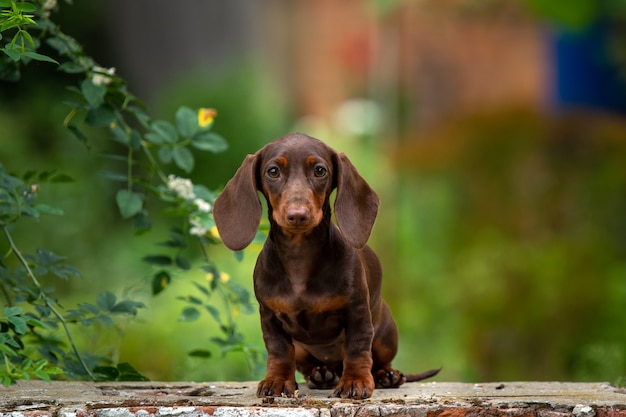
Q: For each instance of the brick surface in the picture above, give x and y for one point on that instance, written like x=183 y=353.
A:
x=154 y=399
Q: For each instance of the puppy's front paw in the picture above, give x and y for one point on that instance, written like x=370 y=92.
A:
x=389 y=378
x=355 y=388
x=275 y=387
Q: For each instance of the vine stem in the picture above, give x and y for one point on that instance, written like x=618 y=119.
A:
x=247 y=353
x=46 y=300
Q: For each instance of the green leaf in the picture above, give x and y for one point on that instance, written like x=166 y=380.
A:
x=165 y=155
x=157 y=259
x=154 y=138
x=31 y=321
x=135 y=139
x=39 y=57
x=26 y=364
x=106 y=300
x=183 y=263
x=200 y=353
x=12 y=311
x=46 y=209
x=142 y=222
x=119 y=134
x=186 y=122
x=102 y=116
x=189 y=314
x=60 y=178
x=30 y=211
x=25 y=36
x=94 y=94
x=48 y=258
x=140 y=115
x=106 y=320
x=42 y=375
x=214 y=313
x=127 y=307
x=209 y=141
x=14 y=54
x=113 y=176
x=183 y=158
x=176 y=241
x=192 y=300
x=89 y=308
x=19 y=324
x=7 y=350
x=25 y=7
x=128 y=373
x=106 y=373
x=78 y=134
x=165 y=130
x=160 y=281
x=129 y=203
x=71 y=68
x=204 y=290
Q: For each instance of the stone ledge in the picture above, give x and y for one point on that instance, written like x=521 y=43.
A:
x=434 y=399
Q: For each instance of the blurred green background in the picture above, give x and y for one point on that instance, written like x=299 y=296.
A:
x=493 y=131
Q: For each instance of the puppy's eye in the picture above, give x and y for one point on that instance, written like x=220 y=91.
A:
x=273 y=172
x=319 y=171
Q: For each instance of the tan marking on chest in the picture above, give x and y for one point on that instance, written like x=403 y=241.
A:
x=313 y=306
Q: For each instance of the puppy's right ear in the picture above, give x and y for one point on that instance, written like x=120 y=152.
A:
x=237 y=210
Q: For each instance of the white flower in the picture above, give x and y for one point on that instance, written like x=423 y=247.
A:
x=102 y=76
x=203 y=206
x=183 y=187
x=196 y=228
x=50 y=4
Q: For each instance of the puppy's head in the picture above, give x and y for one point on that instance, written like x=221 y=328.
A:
x=296 y=174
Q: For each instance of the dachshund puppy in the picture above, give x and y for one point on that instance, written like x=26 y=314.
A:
x=318 y=284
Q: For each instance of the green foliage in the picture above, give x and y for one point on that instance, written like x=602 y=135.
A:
x=512 y=226
x=575 y=15
x=30 y=343
x=122 y=372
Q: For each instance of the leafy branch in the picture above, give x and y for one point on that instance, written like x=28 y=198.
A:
x=46 y=300
x=102 y=100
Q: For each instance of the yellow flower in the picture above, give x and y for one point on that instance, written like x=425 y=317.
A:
x=206 y=116
x=224 y=277
x=214 y=232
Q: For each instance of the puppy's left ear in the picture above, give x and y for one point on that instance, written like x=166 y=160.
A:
x=356 y=204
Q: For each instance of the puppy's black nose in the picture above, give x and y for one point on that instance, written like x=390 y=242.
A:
x=298 y=216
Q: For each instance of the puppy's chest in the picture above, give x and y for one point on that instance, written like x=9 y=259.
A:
x=310 y=319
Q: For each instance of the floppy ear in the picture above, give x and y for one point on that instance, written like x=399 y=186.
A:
x=237 y=210
x=356 y=204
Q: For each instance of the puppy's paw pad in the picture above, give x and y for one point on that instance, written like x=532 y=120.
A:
x=322 y=378
x=390 y=378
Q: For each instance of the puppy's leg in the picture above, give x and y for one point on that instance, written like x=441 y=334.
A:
x=356 y=379
x=384 y=349
x=280 y=378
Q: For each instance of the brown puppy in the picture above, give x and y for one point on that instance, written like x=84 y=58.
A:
x=318 y=286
